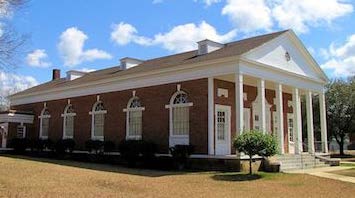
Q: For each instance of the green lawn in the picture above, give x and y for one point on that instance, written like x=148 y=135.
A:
x=32 y=177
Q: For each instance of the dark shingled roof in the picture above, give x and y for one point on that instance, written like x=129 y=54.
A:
x=230 y=49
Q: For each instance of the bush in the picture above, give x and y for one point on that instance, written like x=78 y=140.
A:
x=19 y=144
x=96 y=146
x=109 y=146
x=255 y=143
x=134 y=150
x=180 y=154
x=65 y=145
x=41 y=144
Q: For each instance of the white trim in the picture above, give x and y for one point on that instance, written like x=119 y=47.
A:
x=16 y=118
x=310 y=130
x=262 y=105
x=229 y=123
x=93 y=113
x=297 y=120
x=65 y=115
x=128 y=110
x=239 y=103
x=323 y=122
x=41 y=117
x=211 y=89
x=280 y=117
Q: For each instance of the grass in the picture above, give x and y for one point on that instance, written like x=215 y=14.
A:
x=34 y=177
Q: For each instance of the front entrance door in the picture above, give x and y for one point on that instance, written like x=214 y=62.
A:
x=291 y=142
x=3 y=134
x=223 y=129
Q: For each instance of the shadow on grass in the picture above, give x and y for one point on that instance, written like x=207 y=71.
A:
x=101 y=167
x=236 y=177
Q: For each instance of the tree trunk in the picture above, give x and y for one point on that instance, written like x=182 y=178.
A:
x=250 y=168
x=341 y=146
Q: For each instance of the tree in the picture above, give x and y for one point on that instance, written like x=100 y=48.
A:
x=255 y=143
x=11 y=42
x=340 y=101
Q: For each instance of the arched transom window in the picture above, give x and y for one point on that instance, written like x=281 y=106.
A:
x=68 y=121
x=134 y=118
x=179 y=118
x=98 y=120
x=44 y=123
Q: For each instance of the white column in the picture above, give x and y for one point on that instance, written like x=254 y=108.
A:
x=280 y=117
x=310 y=131
x=239 y=103
x=261 y=95
x=297 y=120
x=323 y=122
x=211 y=116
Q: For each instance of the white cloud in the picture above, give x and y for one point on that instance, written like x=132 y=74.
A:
x=248 y=15
x=300 y=15
x=71 y=48
x=11 y=83
x=208 y=2
x=36 y=58
x=124 y=33
x=341 y=58
x=179 y=38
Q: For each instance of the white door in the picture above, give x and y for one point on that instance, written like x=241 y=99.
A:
x=246 y=119
x=223 y=129
x=3 y=134
x=291 y=142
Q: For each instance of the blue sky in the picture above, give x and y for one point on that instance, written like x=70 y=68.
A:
x=87 y=35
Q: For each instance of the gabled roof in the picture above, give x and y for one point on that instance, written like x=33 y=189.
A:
x=230 y=49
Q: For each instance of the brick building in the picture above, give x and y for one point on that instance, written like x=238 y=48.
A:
x=204 y=97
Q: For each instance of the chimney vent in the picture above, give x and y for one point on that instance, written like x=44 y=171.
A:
x=206 y=46
x=128 y=62
x=56 y=74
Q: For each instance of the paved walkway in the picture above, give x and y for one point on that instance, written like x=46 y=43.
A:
x=325 y=172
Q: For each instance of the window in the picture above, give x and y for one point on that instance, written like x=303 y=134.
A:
x=134 y=118
x=179 y=114
x=98 y=121
x=290 y=129
x=44 y=123
x=68 y=121
x=21 y=131
x=221 y=123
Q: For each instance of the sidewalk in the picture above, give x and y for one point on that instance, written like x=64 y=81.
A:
x=325 y=172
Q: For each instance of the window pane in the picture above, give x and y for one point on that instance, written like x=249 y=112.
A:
x=69 y=126
x=181 y=120
x=99 y=124
x=45 y=126
x=135 y=123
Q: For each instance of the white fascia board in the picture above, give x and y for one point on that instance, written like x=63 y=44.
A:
x=255 y=69
x=229 y=66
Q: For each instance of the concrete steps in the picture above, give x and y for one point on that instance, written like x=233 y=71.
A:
x=301 y=161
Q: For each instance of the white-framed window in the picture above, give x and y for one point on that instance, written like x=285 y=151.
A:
x=134 y=112
x=290 y=126
x=179 y=114
x=68 y=121
x=98 y=120
x=44 y=123
x=21 y=131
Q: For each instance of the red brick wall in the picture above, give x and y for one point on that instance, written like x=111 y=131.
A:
x=155 y=115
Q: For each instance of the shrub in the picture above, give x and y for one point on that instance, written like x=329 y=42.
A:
x=180 y=154
x=65 y=145
x=41 y=144
x=19 y=144
x=134 y=150
x=255 y=143
x=96 y=146
x=109 y=146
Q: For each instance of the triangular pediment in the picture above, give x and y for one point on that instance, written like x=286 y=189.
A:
x=286 y=52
